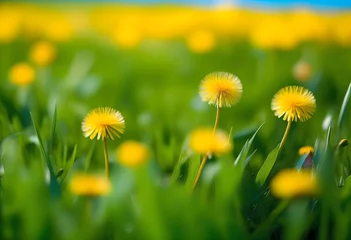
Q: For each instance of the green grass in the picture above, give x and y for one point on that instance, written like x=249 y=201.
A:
x=155 y=86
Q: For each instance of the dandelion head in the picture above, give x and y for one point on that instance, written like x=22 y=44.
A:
x=132 y=153
x=201 y=41
x=22 y=74
x=89 y=185
x=294 y=103
x=204 y=141
x=306 y=150
x=103 y=122
x=221 y=89
x=43 y=53
x=290 y=183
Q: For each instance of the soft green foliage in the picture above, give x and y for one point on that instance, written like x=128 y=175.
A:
x=155 y=86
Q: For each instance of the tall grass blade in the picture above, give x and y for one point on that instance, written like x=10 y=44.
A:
x=267 y=166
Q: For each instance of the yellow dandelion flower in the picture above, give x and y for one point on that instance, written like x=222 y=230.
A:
x=22 y=74
x=205 y=141
x=290 y=183
x=306 y=150
x=103 y=122
x=294 y=103
x=201 y=41
x=221 y=89
x=132 y=153
x=89 y=185
x=43 y=53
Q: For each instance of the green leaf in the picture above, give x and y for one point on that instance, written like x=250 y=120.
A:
x=69 y=163
x=194 y=165
x=53 y=129
x=54 y=186
x=267 y=166
x=243 y=158
x=89 y=156
x=343 y=107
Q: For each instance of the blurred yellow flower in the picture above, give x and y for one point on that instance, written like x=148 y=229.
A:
x=205 y=141
x=294 y=103
x=306 y=150
x=126 y=37
x=103 y=122
x=43 y=53
x=302 y=71
x=221 y=89
x=9 y=24
x=290 y=183
x=22 y=74
x=89 y=185
x=132 y=153
x=201 y=41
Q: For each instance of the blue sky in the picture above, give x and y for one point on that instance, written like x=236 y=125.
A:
x=320 y=4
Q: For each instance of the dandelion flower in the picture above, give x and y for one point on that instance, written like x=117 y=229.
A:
x=306 y=150
x=22 y=74
x=201 y=41
x=89 y=185
x=103 y=122
x=205 y=141
x=290 y=183
x=132 y=153
x=294 y=103
x=221 y=89
x=43 y=53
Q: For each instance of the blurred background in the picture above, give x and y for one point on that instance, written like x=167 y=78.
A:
x=146 y=59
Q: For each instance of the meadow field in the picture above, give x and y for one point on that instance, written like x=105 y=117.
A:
x=174 y=122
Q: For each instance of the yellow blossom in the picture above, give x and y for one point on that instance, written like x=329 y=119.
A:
x=290 y=183
x=306 y=150
x=103 y=122
x=221 y=89
x=200 y=41
x=294 y=103
x=22 y=74
x=89 y=185
x=205 y=141
x=132 y=153
x=43 y=53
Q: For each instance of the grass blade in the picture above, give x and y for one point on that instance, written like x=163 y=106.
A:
x=54 y=186
x=267 y=166
x=343 y=107
x=69 y=163
x=243 y=158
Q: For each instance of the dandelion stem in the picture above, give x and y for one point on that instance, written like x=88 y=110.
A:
x=106 y=158
x=202 y=165
x=216 y=121
x=285 y=135
x=204 y=159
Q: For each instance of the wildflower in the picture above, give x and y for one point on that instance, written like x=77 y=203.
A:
x=200 y=41
x=306 y=150
x=294 y=103
x=22 y=74
x=89 y=185
x=221 y=89
x=302 y=71
x=132 y=153
x=204 y=141
x=103 y=122
x=290 y=183
x=43 y=53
